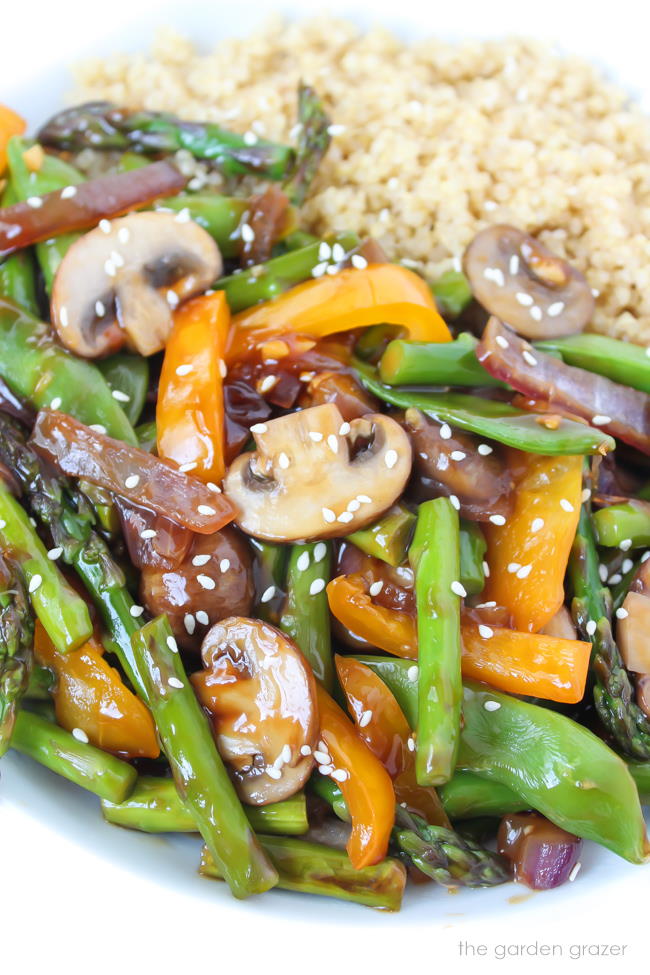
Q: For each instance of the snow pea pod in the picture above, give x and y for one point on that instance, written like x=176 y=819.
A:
x=472 y=553
x=496 y=421
x=555 y=765
x=468 y=795
x=128 y=378
x=620 y=522
x=623 y=362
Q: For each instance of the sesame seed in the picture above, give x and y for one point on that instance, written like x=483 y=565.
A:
x=621 y=613
x=575 y=871
x=250 y=138
x=536 y=313
x=644 y=557
x=410 y=743
x=205 y=509
x=56 y=403
x=223 y=369
x=524 y=299
x=259 y=428
x=224 y=565
x=486 y=569
x=200 y=560
x=445 y=431
x=302 y=562
x=590 y=627
x=328 y=515
x=120 y=396
x=412 y=673
x=484 y=449
x=344 y=429
x=186 y=468
x=105 y=226
x=171 y=643
x=458 y=455
x=109 y=267
x=34 y=201
x=625 y=545
x=183 y=216
x=268 y=594
x=354 y=505
x=338 y=252
x=315 y=435
x=326 y=769
x=63 y=316
x=35 y=582
x=376 y=587
x=323 y=758
x=205 y=581
x=332 y=443
x=123 y=235
x=80 y=735
x=486 y=631
x=514 y=567
x=390 y=459
x=345 y=517
x=491 y=705
x=132 y=481
x=364 y=499
x=602 y=572
x=502 y=342
x=455 y=503
x=175 y=682
x=267 y=384
x=566 y=505
x=497 y=519
x=358 y=261
x=615 y=579
x=97 y=427
x=184 y=370
x=172 y=298
x=529 y=358
x=334 y=130
x=458 y=589
x=189 y=623
x=319 y=270
x=524 y=571
x=627 y=565
x=148 y=533
x=305 y=750
x=117 y=259
x=320 y=551
x=202 y=617
x=100 y=308
x=340 y=775
x=494 y=274
x=273 y=773
x=324 y=251
x=537 y=524
x=247 y=233
x=68 y=192
x=489 y=605
x=317 y=586
x=585 y=496
x=600 y=419
x=55 y=553
x=365 y=719
x=513 y=266
x=306 y=377
x=283 y=460
x=555 y=309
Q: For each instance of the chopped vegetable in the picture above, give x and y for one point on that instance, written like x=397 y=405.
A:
x=387 y=539
x=350 y=601
x=622 y=362
x=627 y=523
x=16 y=639
x=443 y=364
x=543 y=855
x=305 y=614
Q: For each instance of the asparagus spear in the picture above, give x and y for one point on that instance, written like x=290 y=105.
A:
x=387 y=539
x=100 y=125
x=269 y=567
x=155 y=806
x=70 y=522
x=199 y=774
x=312 y=868
x=62 y=612
x=108 y=777
x=435 y=558
x=16 y=638
x=591 y=608
x=313 y=142
x=435 y=364
x=127 y=377
x=306 y=615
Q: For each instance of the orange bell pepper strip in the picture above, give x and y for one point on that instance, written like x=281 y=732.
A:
x=534 y=664
x=388 y=629
x=352 y=298
x=91 y=696
x=367 y=787
x=190 y=411
x=528 y=555
x=10 y=124
x=381 y=723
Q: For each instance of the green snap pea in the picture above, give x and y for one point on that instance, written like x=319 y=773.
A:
x=628 y=523
x=128 y=379
x=435 y=364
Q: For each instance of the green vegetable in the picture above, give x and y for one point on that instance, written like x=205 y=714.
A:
x=147 y=435
x=221 y=216
x=452 y=292
x=468 y=795
x=154 y=806
x=269 y=569
x=618 y=522
x=623 y=362
x=16 y=640
x=312 y=868
x=265 y=281
x=313 y=142
x=494 y=420
x=42 y=372
x=87 y=766
x=435 y=558
x=555 y=765
x=472 y=553
x=306 y=615
x=17 y=281
x=127 y=376
x=640 y=772
x=199 y=773
x=62 y=612
x=387 y=539
x=298 y=239
x=326 y=789
x=435 y=364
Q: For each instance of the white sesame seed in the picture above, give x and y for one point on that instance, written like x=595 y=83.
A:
x=205 y=509
x=412 y=673
x=132 y=481
x=345 y=517
x=514 y=567
x=590 y=627
x=224 y=565
x=315 y=435
x=105 y=226
x=322 y=757
x=199 y=560
x=184 y=370
x=524 y=572
x=35 y=582
x=536 y=313
x=100 y=308
x=602 y=572
x=80 y=735
x=513 y=266
x=250 y=138
x=390 y=459
x=365 y=719
x=458 y=455
x=529 y=358
x=458 y=589
x=247 y=233
x=621 y=613
x=537 y=524
x=644 y=557
x=410 y=743
x=586 y=494
x=273 y=773
x=35 y=202
x=63 y=316
x=338 y=253
x=317 y=586
x=319 y=270
x=455 y=503
x=98 y=427
x=524 y=299
x=302 y=562
x=486 y=631
x=600 y=419
x=117 y=259
x=55 y=553
x=334 y=130
x=267 y=384
x=497 y=519
x=172 y=298
x=491 y=705
x=555 y=309
x=305 y=750
x=625 y=545
x=202 y=617
x=171 y=643
x=205 y=581
x=615 y=579
x=494 y=274
x=328 y=515
x=283 y=461
x=223 y=369
x=344 y=429
x=575 y=871
x=268 y=594
x=186 y=468
x=358 y=261
x=376 y=587
x=502 y=342
x=136 y=611
x=56 y=403
x=354 y=505
x=189 y=623
x=486 y=569
x=324 y=251
x=445 y=431
x=340 y=775
x=259 y=428
x=320 y=551
x=68 y=192
x=109 y=268
x=148 y=533
x=333 y=443
x=364 y=499
x=484 y=449
x=123 y=235
x=566 y=505
x=175 y=682
x=183 y=216
x=121 y=397
x=627 y=565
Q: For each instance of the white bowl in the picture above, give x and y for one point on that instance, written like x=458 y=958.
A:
x=77 y=872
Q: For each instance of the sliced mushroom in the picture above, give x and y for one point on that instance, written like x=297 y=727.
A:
x=118 y=284
x=524 y=284
x=261 y=694
x=313 y=475
x=561 y=625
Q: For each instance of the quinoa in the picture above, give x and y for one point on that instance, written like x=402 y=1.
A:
x=432 y=141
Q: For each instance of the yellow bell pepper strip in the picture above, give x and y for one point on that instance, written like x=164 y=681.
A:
x=533 y=664
x=90 y=695
x=381 y=723
x=190 y=412
x=388 y=629
x=352 y=298
x=365 y=784
x=10 y=124
x=528 y=555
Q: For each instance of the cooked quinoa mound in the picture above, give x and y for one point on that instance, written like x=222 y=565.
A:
x=432 y=142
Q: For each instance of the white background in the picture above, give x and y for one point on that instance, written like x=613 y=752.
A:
x=76 y=896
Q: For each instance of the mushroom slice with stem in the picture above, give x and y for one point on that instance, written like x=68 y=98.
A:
x=519 y=280
x=314 y=475
x=261 y=693
x=118 y=284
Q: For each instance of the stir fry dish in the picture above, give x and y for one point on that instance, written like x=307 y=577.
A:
x=343 y=569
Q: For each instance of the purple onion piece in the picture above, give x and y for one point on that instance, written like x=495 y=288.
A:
x=543 y=856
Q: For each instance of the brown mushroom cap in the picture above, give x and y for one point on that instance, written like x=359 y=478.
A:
x=304 y=481
x=118 y=284
x=262 y=695
x=524 y=284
